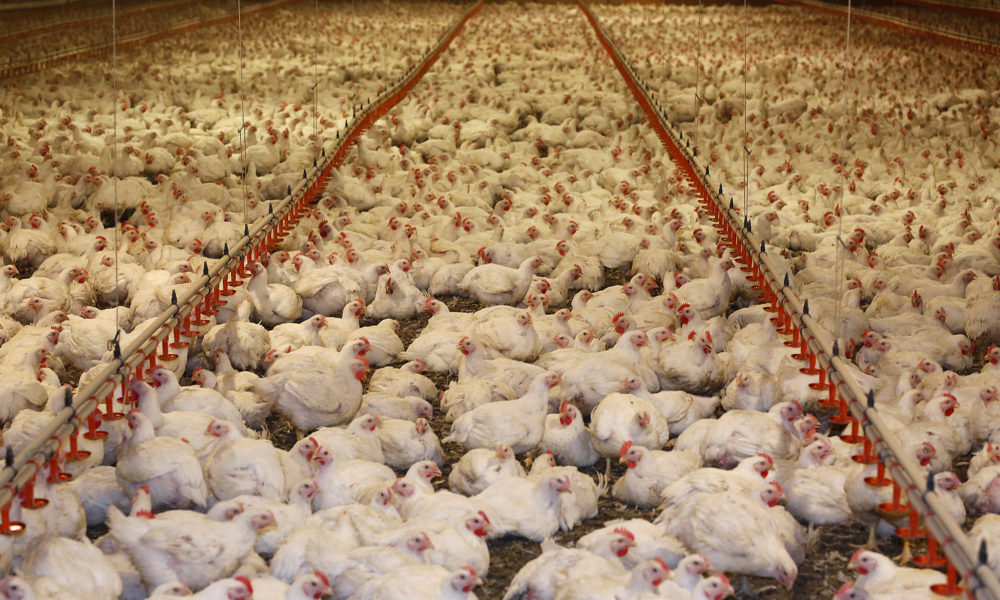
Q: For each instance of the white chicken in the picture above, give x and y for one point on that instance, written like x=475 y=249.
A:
x=517 y=423
x=273 y=303
x=168 y=466
x=496 y=284
x=481 y=467
x=186 y=545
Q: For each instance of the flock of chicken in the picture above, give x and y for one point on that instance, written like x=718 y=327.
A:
x=519 y=173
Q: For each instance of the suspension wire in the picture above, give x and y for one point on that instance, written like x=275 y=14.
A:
x=315 y=86
x=114 y=155
x=243 y=111
x=746 y=148
x=840 y=248
x=697 y=82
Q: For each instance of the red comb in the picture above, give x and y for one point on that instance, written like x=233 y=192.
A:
x=662 y=564
x=617 y=317
x=625 y=448
x=483 y=515
x=725 y=580
x=708 y=334
x=245 y=581
x=768 y=457
x=562 y=407
x=691 y=335
x=322 y=577
x=625 y=532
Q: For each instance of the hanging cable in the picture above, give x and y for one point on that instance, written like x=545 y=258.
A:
x=746 y=147
x=114 y=155
x=840 y=248
x=315 y=86
x=697 y=82
x=243 y=111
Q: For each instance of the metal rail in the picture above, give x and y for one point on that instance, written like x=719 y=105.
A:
x=20 y=34
x=979 y=8
x=907 y=476
x=940 y=34
x=127 y=43
x=128 y=361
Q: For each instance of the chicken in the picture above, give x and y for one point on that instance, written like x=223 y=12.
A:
x=621 y=418
x=530 y=509
x=51 y=294
x=984 y=530
x=814 y=486
x=749 y=474
x=76 y=565
x=245 y=344
x=169 y=466
x=288 y=513
x=849 y=591
x=421 y=582
x=864 y=499
x=395 y=298
x=34 y=588
x=292 y=336
x=460 y=543
x=692 y=365
x=98 y=488
x=472 y=366
x=193 y=398
x=343 y=482
x=186 y=545
x=357 y=440
x=735 y=532
x=382 y=340
x=642 y=582
x=710 y=296
x=540 y=578
x=298 y=385
x=238 y=466
x=233 y=588
x=878 y=574
x=187 y=425
x=981 y=493
x=22 y=390
x=481 y=467
x=407 y=442
x=406 y=380
x=740 y=434
x=272 y=303
x=590 y=377
x=239 y=387
x=567 y=438
x=517 y=423
x=305 y=586
x=580 y=502
x=327 y=290
x=496 y=284
x=510 y=335
x=650 y=472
